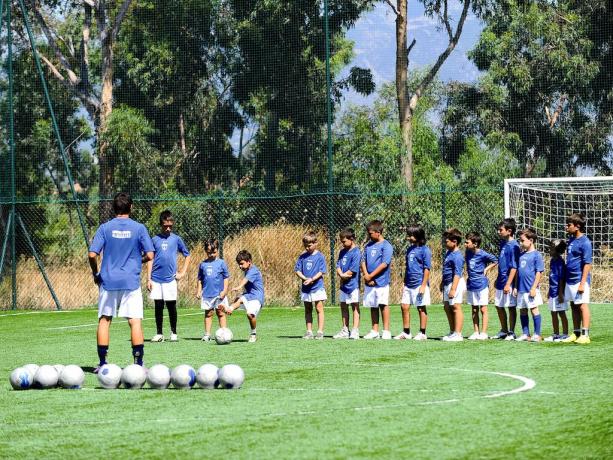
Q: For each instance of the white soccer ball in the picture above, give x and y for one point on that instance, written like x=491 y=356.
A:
x=109 y=376
x=31 y=368
x=158 y=377
x=46 y=377
x=21 y=379
x=231 y=376
x=183 y=377
x=223 y=336
x=72 y=377
x=59 y=368
x=133 y=377
x=207 y=376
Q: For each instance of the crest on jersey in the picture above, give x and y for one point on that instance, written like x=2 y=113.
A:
x=523 y=264
x=344 y=261
x=373 y=252
x=164 y=245
x=472 y=263
x=309 y=265
x=411 y=257
x=209 y=271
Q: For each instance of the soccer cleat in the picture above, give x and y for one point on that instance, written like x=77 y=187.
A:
x=523 y=338
x=583 y=340
x=570 y=339
x=157 y=338
x=455 y=337
x=372 y=335
x=421 y=336
x=500 y=336
x=308 y=335
x=552 y=338
x=319 y=335
x=483 y=336
x=252 y=338
x=342 y=334
x=536 y=338
x=386 y=335
x=174 y=337
x=402 y=336
x=355 y=334
x=206 y=338
x=510 y=336
x=474 y=336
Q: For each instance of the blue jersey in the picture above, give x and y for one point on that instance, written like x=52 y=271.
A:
x=212 y=275
x=417 y=259
x=375 y=254
x=557 y=269
x=254 y=289
x=476 y=262
x=310 y=265
x=530 y=263
x=578 y=254
x=453 y=265
x=349 y=260
x=508 y=259
x=122 y=242
x=165 y=259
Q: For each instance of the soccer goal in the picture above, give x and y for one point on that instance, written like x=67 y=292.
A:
x=544 y=204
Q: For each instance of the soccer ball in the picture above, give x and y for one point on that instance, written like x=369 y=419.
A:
x=133 y=377
x=158 y=377
x=46 y=377
x=223 y=336
x=231 y=376
x=109 y=376
x=59 y=368
x=21 y=379
x=207 y=376
x=72 y=377
x=31 y=368
x=183 y=377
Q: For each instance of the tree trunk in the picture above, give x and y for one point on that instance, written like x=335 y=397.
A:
x=106 y=182
x=182 y=134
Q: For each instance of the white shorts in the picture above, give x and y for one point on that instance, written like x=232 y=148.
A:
x=525 y=301
x=125 y=304
x=503 y=300
x=210 y=303
x=481 y=297
x=163 y=291
x=314 y=296
x=571 y=294
x=375 y=296
x=411 y=296
x=252 y=307
x=353 y=297
x=556 y=305
x=459 y=292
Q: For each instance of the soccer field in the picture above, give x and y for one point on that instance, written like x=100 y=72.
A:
x=313 y=399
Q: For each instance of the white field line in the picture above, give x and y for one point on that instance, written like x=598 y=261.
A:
x=78 y=326
x=22 y=313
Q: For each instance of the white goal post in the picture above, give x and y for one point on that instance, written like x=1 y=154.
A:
x=544 y=204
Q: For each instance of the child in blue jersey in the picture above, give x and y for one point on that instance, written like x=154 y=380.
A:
x=375 y=265
x=478 y=263
x=557 y=304
x=213 y=277
x=162 y=275
x=311 y=268
x=529 y=273
x=505 y=281
x=252 y=299
x=124 y=244
x=453 y=285
x=578 y=278
x=416 y=290
x=348 y=271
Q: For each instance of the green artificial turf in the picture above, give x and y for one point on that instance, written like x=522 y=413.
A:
x=313 y=399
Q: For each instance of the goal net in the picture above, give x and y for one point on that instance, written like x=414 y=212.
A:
x=544 y=204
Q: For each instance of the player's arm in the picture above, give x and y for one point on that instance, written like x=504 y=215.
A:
x=424 y=282
x=241 y=285
x=380 y=268
x=587 y=268
x=454 y=286
x=226 y=283
x=490 y=267
x=561 y=288
x=199 y=289
x=183 y=271
x=507 y=286
x=92 y=257
x=537 y=281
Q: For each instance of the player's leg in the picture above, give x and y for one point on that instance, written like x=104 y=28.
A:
x=319 y=307
x=524 y=319
x=385 y=317
x=423 y=322
x=474 y=312
x=406 y=323
x=564 y=321
x=536 y=319
x=504 y=325
x=136 y=336
x=374 y=318
x=208 y=324
x=355 y=330
x=344 y=315
x=252 y=318
x=103 y=338
x=171 y=305
x=555 y=323
x=221 y=317
x=308 y=319
x=484 y=321
x=159 y=320
x=449 y=313
x=458 y=318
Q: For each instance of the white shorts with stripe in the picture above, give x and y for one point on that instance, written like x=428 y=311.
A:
x=211 y=303
x=503 y=300
x=375 y=296
x=459 y=293
x=411 y=296
x=314 y=296
x=123 y=303
x=163 y=291
x=525 y=301
x=353 y=297
x=481 y=297
x=571 y=294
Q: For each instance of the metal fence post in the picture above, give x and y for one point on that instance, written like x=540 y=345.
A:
x=443 y=217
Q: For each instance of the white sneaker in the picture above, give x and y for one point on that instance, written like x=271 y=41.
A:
x=157 y=338
x=474 y=336
x=308 y=336
x=483 y=336
x=386 y=335
x=355 y=334
x=536 y=338
x=421 y=336
x=342 y=334
x=446 y=337
x=455 y=337
x=403 y=336
x=510 y=336
x=252 y=338
x=500 y=336
x=522 y=338
x=206 y=338
x=372 y=335
x=174 y=337
x=551 y=338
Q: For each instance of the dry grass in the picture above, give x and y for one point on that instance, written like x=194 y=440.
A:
x=274 y=250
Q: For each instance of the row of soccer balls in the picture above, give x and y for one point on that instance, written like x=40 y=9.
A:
x=111 y=376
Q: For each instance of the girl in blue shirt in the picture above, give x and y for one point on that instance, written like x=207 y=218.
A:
x=557 y=305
